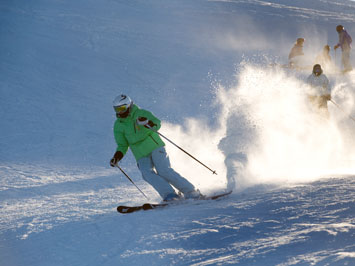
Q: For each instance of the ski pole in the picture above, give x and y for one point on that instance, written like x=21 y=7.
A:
x=337 y=105
x=213 y=171
x=131 y=180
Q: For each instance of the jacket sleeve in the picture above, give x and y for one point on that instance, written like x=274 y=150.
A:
x=122 y=143
x=341 y=39
x=326 y=84
x=151 y=117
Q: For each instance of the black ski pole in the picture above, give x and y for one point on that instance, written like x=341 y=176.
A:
x=213 y=171
x=337 y=105
x=131 y=180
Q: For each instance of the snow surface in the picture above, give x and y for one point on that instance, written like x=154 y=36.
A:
x=207 y=69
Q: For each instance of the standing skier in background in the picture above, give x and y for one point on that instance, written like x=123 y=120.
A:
x=319 y=93
x=345 y=45
x=296 y=53
x=135 y=128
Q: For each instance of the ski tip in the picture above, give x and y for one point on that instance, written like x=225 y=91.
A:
x=122 y=209
x=221 y=195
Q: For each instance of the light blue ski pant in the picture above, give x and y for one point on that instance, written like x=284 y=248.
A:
x=156 y=170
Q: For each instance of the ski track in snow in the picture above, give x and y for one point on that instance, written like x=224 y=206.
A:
x=39 y=198
x=288 y=226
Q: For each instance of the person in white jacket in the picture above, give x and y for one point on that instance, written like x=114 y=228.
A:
x=319 y=92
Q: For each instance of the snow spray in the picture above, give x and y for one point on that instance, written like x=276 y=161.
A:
x=274 y=136
x=267 y=134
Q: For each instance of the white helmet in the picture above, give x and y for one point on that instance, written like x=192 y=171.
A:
x=122 y=103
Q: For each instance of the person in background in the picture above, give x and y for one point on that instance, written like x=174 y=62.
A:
x=136 y=128
x=345 y=45
x=324 y=57
x=319 y=93
x=296 y=53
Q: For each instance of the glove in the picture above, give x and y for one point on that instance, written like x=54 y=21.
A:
x=336 y=47
x=116 y=158
x=143 y=121
x=327 y=97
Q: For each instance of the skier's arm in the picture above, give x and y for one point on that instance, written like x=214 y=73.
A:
x=309 y=80
x=327 y=88
x=326 y=84
x=153 y=121
x=122 y=143
x=122 y=147
x=292 y=53
x=341 y=40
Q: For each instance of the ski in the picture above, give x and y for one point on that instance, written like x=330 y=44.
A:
x=151 y=206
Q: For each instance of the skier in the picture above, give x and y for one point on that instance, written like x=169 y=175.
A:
x=296 y=54
x=345 y=44
x=324 y=57
x=135 y=128
x=319 y=93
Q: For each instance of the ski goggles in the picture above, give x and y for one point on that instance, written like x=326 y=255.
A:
x=120 y=109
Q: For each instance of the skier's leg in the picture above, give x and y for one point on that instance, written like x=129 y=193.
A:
x=162 y=165
x=163 y=187
x=345 y=60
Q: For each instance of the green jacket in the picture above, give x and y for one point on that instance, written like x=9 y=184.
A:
x=141 y=140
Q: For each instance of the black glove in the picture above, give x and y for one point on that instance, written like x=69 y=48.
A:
x=143 y=121
x=116 y=158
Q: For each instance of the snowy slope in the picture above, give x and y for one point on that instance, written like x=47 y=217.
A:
x=309 y=224
x=203 y=67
